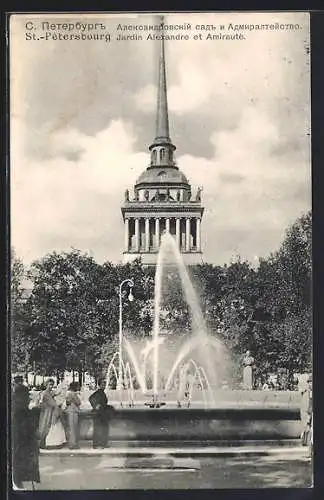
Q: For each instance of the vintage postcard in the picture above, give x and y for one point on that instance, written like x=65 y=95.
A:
x=161 y=316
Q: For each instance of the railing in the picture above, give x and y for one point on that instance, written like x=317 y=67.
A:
x=154 y=249
x=162 y=202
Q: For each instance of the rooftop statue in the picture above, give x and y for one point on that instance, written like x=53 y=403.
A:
x=198 y=195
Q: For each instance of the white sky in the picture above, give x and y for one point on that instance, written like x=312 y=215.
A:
x=83 y=115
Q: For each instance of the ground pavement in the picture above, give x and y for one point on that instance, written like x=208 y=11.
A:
x=157 y=468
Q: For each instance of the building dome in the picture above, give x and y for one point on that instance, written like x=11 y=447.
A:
x=162 y=175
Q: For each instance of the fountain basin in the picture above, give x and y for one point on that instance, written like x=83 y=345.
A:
x=197 y=424
x=223 y=398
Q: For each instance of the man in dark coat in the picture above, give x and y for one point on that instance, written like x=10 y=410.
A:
x=25 y=449
x=99 y=403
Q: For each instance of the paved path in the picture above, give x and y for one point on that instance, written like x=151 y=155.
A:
x=196 y=451
x=99 y=472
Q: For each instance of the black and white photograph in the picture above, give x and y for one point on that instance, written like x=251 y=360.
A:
x=160 y=251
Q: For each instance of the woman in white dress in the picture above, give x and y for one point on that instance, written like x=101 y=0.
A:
x=51 y=430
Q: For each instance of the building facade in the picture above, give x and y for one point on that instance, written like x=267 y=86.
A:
x=162 y=199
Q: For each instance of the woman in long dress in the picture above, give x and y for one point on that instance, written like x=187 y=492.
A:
x=73 y=403
x=25 y=451
x=51 y=430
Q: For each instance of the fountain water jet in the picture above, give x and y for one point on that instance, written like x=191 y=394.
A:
x=126 y=377
x=201 y=339
x=199 y=342
x=186 y=349
x=187 y=384
x=156 y=324
x=139 y=375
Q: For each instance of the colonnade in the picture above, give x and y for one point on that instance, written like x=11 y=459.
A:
x=144 y=233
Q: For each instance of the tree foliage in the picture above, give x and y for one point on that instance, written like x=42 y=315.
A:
x=20 y=342
x=70 y=321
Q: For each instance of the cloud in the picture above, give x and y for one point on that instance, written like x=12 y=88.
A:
x=58 y=203
x=250 y=195
x=82 y=117
x=145 y=99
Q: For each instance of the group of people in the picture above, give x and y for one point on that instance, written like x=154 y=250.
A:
x=55 y=431
x=46 y=425
x=51 y=422
x=51 y=431
x=275 y=384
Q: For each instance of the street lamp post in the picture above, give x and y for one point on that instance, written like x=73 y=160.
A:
x=120 y=344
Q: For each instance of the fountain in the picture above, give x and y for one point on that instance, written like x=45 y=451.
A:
x=169 y=390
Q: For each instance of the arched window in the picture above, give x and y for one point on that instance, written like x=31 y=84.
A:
x=162 y=154
x=154 y=154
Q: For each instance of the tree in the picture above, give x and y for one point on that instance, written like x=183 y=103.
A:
x=292 y=265
x=227 y=299
x=295 y=340
x=20 y=345
x=75 y=309
x=69 y=320
x=284 y=280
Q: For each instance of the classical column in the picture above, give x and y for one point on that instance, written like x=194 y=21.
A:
x=126 y=235
x=147 y=234
x=198 y=234
x=157 y=232
x=188 y=234
x=137 y=235
x=178 y=231
x=167 y=225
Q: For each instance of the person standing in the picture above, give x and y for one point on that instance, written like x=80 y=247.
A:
x=51 y=430
x=73 y=403
x=306 y=411
x=99 y=403
x=310 y=415
x=25 y=450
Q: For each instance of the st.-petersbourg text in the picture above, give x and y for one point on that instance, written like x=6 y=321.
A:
x=68 y=36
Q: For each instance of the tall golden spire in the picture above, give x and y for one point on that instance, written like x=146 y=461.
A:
x=162 y=134
x=162 y=115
